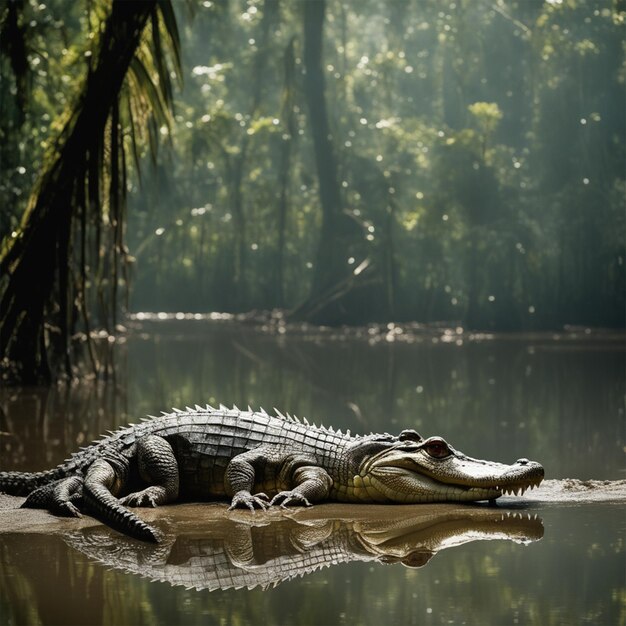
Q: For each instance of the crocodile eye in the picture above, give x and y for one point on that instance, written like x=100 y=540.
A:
x=437 y=448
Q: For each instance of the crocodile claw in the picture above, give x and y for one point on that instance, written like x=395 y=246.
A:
x=67 y=509
x=139 y=499
x=244 y=499
x=289 y=498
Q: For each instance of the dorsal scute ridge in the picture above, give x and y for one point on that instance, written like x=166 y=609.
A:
x=287 y=417
x=296 y=420
x=114 y=435
x=279 y=414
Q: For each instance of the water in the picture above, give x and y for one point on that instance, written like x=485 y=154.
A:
x=559 y=402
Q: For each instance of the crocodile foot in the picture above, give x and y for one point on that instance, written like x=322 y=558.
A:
x=149 y=497
x=243 y=499
x=68 y=509
x=289 y=498
x=58 y=497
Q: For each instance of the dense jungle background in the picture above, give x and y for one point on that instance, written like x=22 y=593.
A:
x=347 y=162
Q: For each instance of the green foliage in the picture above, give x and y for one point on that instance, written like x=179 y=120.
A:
x=487 y=115
x=64 y=262
x=465 y=134
x=480 y=152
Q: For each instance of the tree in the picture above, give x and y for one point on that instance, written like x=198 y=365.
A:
x=331 y=278
x=44 y=264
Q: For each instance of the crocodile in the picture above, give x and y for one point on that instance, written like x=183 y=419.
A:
x=257 y=460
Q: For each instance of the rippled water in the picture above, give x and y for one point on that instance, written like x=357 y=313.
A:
x=559 y=402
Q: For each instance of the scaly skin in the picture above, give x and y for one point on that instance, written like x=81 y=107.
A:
x=257 y=460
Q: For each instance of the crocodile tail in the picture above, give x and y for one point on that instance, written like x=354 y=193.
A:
x=22 y=483
x=106 y=507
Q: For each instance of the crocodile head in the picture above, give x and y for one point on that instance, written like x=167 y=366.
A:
x=411 y=469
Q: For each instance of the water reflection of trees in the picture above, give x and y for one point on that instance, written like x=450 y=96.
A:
x=560 y=402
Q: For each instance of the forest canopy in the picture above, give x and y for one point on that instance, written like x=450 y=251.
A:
x=349 y=162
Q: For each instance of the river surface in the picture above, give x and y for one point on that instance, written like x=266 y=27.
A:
x=550 y=560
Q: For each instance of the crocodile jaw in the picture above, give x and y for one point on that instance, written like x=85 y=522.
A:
x=416 y=477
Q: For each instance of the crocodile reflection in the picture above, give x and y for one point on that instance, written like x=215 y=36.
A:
x=256 y=551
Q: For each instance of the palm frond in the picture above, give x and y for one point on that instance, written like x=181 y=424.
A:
x=170 y=25
x=149 y=91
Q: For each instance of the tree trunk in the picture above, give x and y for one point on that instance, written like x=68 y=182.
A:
x=337 y=229
x=35 y=264
x=287 y=140
x=239 y=160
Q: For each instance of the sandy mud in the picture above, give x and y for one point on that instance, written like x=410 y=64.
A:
x=566 y=492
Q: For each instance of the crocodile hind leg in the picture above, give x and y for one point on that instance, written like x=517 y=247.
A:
x=100 y=481
x=157 y=467
x=58 y=497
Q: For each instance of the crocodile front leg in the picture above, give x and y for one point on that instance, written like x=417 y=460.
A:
x=307 y=481
x=311 y=484
x=239 y=480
